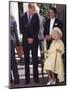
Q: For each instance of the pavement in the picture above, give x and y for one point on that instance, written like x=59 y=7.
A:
x=42 y=80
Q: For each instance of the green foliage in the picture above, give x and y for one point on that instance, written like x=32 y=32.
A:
x=44 y=8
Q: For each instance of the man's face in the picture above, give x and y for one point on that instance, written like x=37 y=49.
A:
x=51 y=14
x=31 y=11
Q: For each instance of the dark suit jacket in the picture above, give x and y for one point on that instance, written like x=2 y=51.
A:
x=29 y=30
x=57 y=23
x=13 y=31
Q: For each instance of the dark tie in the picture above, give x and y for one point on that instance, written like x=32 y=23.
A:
x=29 y=18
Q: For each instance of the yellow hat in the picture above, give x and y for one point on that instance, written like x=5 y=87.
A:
x=58 y=30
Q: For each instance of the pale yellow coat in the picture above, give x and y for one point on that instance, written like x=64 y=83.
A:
x=54 y=61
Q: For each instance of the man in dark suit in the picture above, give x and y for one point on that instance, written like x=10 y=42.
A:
x=50 y=23
x=29 y=27
x=13 y=43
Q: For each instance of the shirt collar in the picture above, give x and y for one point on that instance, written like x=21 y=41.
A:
x=53 y=18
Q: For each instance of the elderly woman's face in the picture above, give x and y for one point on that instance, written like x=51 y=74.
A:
x=51 y=14
x=55 y=35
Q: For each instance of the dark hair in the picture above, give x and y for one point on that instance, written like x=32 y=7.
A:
x=54 y=9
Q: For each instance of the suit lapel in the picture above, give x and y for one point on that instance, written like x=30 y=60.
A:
x=26 y=17
x=49 y=25
x=55 y=23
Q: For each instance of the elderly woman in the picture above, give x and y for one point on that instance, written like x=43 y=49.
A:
x=54 y=63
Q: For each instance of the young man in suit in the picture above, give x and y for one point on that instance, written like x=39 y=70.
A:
x=50 y=23
x=29 y=27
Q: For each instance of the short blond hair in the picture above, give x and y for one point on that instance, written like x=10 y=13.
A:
x=31 y=6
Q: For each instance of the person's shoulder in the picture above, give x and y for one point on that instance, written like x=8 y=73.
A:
x=47 y=21
x=41 y=17
x=58 y=20
x=60 y=42
x=35 y=16
x=24 y=14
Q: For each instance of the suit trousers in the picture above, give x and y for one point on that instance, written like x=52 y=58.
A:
x=14 y=63
x=34 y=51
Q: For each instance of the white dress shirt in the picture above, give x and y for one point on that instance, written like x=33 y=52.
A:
x=51 y=24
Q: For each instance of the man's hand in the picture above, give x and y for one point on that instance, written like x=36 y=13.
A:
x=30 y=40
x=48 y=37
